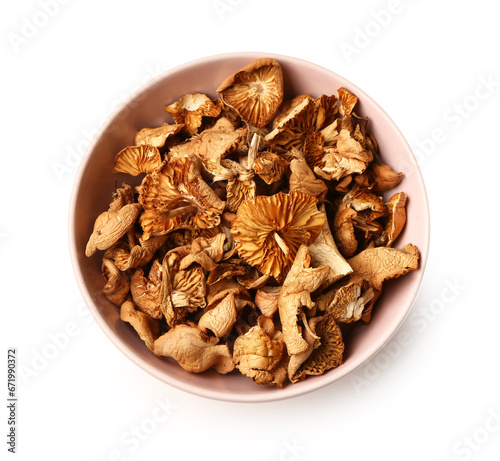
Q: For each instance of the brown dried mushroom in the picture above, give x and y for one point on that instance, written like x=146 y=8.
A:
x=255 y=91
x=258 y=232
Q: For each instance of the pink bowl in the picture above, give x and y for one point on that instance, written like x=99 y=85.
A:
x=95 y=184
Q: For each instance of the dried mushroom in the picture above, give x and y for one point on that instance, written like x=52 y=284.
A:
x=194 y=350
x=257 y=355
x=147 y=328
x=117 y=285
x=190 y=109
x=255 y=91
x=269 y=230
x=135 y=160
x=258 y=231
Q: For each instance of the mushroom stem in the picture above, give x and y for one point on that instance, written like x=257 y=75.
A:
x=303 y=317
x=282 y=244
x=181 y=210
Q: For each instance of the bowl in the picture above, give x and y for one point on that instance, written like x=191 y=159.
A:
x=95 y=184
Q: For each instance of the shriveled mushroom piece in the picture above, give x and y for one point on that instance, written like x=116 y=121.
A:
x=266 y=299
x=139 y=255
x=359 y=209
x=255 y=91
x=220 y=319
x=190 y=110
x=194 y=350
x=157 y=137
x=225 y=270
x=397 y=219
x=303 y=179
x=347 y=101
x=206 y=252
x=257 y=355
x=176 y=197
x=347 y=300
x=111 y=226
x=295 y=295
x=135 y=160
x=269 y=230
x=146 y=292
x=381 y=263
x=324 y=251
x=117 y=283
x=336 y=166
x=329 y=353
x=183 y=291
x=211 y=146
x=270 y=167
x=379 y=178
x=218 y=291
x=296 y=360
x=147 y=327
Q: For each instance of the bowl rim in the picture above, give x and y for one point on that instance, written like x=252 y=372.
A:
x=290 y=391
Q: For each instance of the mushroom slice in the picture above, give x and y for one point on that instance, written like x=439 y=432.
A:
x=329 y=353
x=135 y=160
x=303 y=179
x=313 y=149
x=220 y=319
x=176 y=197
x=380 y=263
x=344 y=230
x=397 y=219
x=350 y=147
x=190 y=110
x=111 y=226
x=253 y=279
x=266 y=299
x=324 y=252
x=257 y=355
x=122 y=196
x=147 y=328
x=146 y=292
x=194 y=350
x=300 y=283
x=347 y=101
x=205 y=252
x=157 y=137
x=346 y=302
x=269 y=230
x=117 y=283
x=255 y=91
x=379 y=178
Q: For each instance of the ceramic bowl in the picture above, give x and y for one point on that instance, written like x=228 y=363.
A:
x=95 y=184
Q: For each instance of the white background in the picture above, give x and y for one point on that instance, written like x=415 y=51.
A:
x=433 y=67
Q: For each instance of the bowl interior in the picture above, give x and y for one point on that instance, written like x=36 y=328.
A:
x=95 y=184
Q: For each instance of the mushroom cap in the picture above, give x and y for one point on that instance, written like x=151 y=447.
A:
x=190 y=109
x=381 y=263
x=117 y=285
x=157 y=137
x=135 y=160
x=255 y=91
x=269 y=230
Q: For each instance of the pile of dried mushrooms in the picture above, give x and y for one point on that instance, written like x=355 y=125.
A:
x=258 y=233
